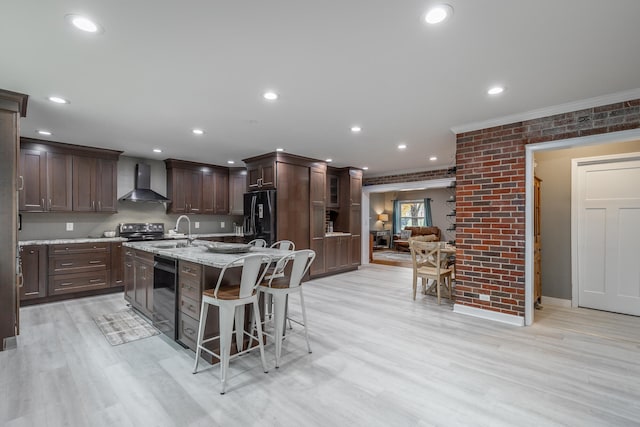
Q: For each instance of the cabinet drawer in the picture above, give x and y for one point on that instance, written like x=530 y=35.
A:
x=69 y=283
x=65 y=264
x=144 y=256
x=77 y=248
x=190 y=271
x=189 y=288
x=188 y=331
x=190 y=307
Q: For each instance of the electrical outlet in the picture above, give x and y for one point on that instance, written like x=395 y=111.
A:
x=485 y=297
x=196 y=224
x=69 y=226
x=222 y=224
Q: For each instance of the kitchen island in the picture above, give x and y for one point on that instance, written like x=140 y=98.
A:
x=177 y=311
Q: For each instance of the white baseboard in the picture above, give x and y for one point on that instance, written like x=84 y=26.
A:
x=557 y=302
x=488 y=314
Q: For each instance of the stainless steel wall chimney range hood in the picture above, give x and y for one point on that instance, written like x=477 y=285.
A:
x=142 y=191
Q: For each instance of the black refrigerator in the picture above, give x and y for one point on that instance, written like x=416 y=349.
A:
x=260 y=216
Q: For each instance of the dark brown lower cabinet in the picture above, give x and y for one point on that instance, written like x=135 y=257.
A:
x=78 y=282
x=117 y=264
x=78 y=267
x=337 y=253
x=128 y=274
x=138 y=280
x=54 y=272
x=33 y=260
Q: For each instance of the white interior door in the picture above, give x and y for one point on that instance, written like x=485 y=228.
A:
x=607 y=224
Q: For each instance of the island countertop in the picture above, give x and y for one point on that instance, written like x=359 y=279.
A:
x=198 y=252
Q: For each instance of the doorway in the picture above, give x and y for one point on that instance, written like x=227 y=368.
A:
x=556 y=214
x=367 y=192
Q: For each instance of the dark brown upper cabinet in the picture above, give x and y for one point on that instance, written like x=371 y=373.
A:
x=45 y=181
x=237 y=187
x=261 y=174
x=197 y=188
x=94 y=184
x=57 y=177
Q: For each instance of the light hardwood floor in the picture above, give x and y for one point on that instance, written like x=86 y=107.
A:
x=379 y=359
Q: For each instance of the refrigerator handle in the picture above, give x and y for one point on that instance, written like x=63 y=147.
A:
x=253 y=214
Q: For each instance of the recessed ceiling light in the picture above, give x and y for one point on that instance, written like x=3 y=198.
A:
x=496 y=90
x=44 y=132
x=438 y=14
x=433 y=158
x=279 y=150
x=230 y=162
x=58 y=100
x=364 y=168
x=356 y=129
x=329 y=160
x=197 y=131
x=83 y=23
x=402 y=146
x=270 y=96
x=157 y=150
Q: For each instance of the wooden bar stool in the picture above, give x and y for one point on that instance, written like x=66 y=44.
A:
x=227 y=299
x=280 y=288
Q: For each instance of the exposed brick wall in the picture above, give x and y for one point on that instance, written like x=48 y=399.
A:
x=490 y=194
x=409 y=177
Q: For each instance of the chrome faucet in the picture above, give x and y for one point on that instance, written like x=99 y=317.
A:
x=180 y=218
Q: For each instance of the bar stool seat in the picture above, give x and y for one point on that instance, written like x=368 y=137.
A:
x=230 y=301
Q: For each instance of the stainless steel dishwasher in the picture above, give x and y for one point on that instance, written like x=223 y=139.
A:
x=165 y=306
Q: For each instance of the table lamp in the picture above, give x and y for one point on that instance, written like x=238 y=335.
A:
x=383 y=218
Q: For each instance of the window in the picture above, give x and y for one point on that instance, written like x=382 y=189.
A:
x=412 y=213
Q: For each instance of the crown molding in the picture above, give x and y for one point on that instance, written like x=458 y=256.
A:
x=550 y=111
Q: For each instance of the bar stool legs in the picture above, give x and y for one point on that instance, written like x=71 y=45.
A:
x=304 y=320
x=227 y=313
x=280 y=317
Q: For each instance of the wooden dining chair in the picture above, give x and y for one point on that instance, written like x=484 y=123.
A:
x=430 y=263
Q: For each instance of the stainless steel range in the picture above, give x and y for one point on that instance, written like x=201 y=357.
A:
x=141 y=231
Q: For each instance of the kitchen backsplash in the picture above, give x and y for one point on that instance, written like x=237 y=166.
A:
x=37 y=226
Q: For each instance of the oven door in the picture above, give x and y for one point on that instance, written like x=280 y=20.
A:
x=164 y=295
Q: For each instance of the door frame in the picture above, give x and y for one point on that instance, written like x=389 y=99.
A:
x=530 y=149
x=575 y=165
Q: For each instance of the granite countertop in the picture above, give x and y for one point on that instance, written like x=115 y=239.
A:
x=70 y=241
x=198 y=252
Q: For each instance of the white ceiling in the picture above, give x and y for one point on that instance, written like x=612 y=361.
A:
x=163 y=67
